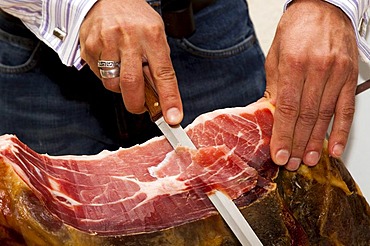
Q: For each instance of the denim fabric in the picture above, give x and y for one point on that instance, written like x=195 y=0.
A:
x=52 y=108
x=58 y=110
x=221 y=65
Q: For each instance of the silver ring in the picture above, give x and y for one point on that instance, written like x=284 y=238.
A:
x=108 y=64
x=109 y=73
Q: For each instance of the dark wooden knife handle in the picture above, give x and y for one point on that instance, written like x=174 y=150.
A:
x=363 y=87
x=152 y=100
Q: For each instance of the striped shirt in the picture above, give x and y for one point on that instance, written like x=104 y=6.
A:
x=57 y=23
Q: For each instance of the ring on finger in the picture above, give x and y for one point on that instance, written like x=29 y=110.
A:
x=109 y=73
x=108 y=64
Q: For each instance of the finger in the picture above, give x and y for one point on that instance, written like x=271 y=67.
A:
x=110 y=76
x=290 y=83
x=131 y=80
x=314 y=146
x=343 y=118
x=341 y=86
x=89 y=53
x=326 y=111
x=309 y=110
x=271 y=65
x=286 y=114
x=280 y=152
x=272 y=77
x=165 y=81
x=306 y=120
x=105 y=50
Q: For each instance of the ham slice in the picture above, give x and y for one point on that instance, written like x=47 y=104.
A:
x=151 y=187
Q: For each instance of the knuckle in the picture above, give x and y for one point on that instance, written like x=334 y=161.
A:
x=340 y=132
x=110 y=32
x=325 y=114
x=323 y=62
x=156 y=28
x=130 y=81
x=309 y=111
x=344 y=131
x=338 y=62
x=348 y=112
x=165 y=73
x=166 y=82
x=284 y=138
x=88 y=46
x=343 y=62
x=308 y=117
x=296 y=61
x=287 y=110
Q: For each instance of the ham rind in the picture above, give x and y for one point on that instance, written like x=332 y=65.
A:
x=150 y=187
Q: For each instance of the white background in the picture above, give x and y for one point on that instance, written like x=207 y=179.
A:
x=265 y=15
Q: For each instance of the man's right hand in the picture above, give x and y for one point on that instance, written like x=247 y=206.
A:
x=132 y=32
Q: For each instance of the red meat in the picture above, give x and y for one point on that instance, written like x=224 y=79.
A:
x=150 y=187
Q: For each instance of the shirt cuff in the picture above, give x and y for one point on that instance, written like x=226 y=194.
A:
x=60 y=28
x=356 y=10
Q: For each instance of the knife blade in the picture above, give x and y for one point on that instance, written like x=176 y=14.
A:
x=176 y=135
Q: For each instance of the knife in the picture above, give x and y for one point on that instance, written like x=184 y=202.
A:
x=177 y=136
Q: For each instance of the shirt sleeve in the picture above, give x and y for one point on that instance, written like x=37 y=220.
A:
x=356 y=10
x=55 y=22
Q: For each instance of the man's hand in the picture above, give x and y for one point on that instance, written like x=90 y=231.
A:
x=132 y=33
x=311 y=70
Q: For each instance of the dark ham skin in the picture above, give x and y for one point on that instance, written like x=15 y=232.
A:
x=150 y=194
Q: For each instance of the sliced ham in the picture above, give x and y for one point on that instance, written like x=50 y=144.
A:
x=151 y=187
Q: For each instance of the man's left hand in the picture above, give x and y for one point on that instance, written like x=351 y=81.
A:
x=311 y=70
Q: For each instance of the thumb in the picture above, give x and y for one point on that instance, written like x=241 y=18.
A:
x=272 y=75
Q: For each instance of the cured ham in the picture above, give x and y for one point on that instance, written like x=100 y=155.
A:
x=151 y=194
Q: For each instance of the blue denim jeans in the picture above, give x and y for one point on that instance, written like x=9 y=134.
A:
x=221 y=65
x=58 y=110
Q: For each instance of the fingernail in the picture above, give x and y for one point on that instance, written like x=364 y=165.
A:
x=282 y=157
x=293 y=163
x=174 y=116
x=311 y=158
x=338 y=150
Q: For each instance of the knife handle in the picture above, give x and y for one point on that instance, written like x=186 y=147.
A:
x=152 y=100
